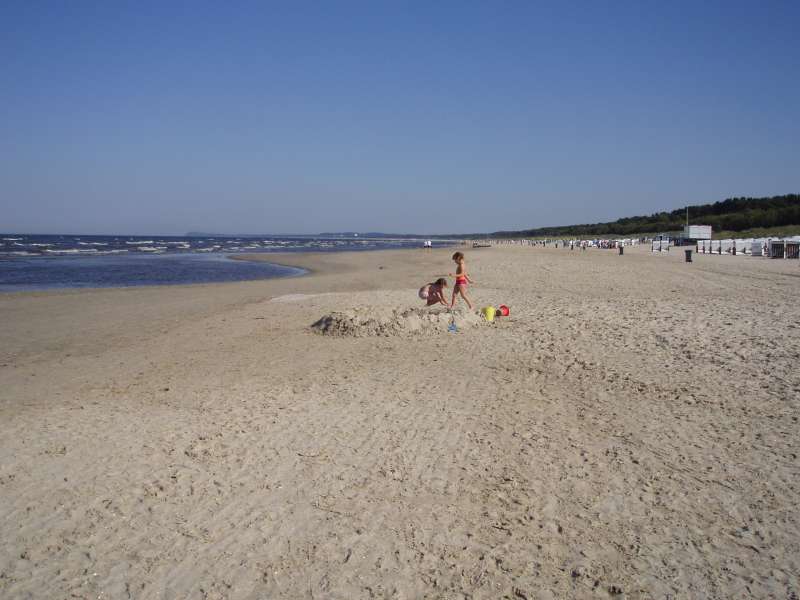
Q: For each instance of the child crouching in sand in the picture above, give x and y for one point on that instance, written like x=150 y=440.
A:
x=462 y=279
x=434 y=292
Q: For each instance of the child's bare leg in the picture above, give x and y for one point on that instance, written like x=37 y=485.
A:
x=464 y=296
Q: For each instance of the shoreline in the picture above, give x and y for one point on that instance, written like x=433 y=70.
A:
x=307 y=261
x=101 y=313
x=310 y=261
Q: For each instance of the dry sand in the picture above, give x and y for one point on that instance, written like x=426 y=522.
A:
x=631 y=430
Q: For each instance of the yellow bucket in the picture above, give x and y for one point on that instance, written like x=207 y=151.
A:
x=488 y=313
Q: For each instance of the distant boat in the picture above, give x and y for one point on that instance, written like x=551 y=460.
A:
x=481 y=245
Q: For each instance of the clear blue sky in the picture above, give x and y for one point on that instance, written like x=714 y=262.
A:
x=384 y=116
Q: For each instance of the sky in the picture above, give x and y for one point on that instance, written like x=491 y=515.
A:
x=424 y=117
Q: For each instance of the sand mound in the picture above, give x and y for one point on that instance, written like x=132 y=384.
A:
x=369 y=321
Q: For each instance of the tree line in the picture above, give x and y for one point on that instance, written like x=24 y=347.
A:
x=733 y=214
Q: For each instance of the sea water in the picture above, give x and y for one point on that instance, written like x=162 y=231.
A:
x=38 y=262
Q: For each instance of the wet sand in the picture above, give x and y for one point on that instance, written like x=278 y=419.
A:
x=631 y=430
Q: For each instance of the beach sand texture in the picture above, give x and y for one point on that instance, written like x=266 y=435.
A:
x=630 y=431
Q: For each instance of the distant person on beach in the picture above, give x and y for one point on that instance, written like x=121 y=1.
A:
x=434 y=292
x=462 y=279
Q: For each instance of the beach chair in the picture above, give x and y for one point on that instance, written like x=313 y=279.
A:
x=776 y=249
x=742 y=246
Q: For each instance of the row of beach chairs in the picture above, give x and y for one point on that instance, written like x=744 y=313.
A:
x=765 y=247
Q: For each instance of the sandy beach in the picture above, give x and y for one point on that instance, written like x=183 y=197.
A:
x=629 y=431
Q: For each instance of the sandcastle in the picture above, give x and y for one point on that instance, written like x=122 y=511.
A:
x=382 y=321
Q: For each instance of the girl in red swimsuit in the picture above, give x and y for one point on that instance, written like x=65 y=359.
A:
x=462 y=279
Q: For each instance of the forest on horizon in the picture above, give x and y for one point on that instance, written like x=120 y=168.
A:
x=733 y=214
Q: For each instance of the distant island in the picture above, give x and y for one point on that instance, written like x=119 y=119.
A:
x=328 y=234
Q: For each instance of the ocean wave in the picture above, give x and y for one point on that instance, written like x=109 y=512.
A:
x=66 y=245
x=71 y=251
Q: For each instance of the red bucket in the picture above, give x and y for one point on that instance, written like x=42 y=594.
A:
x=503 y=310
